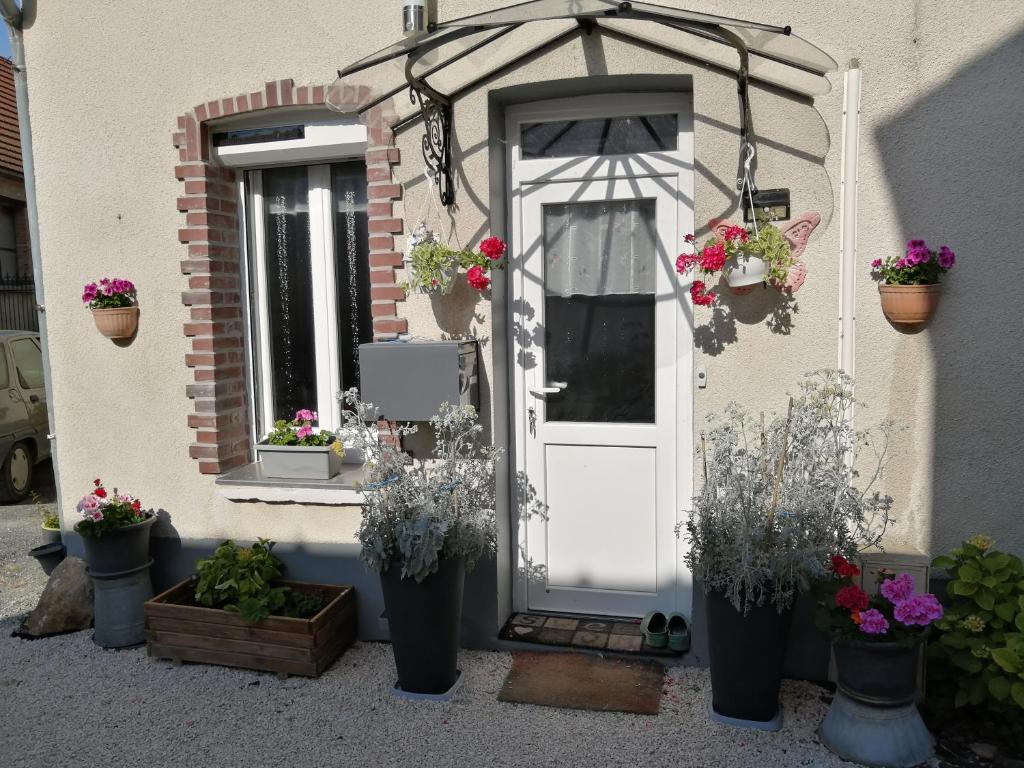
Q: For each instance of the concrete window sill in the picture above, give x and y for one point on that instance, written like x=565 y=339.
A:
x=248 y=483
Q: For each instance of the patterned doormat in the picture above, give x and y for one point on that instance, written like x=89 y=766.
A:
x=584 y=681
x=594 y=633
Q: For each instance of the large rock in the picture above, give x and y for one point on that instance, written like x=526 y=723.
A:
x=66 y=602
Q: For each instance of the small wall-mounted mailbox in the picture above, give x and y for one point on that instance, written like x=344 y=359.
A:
x=408 y=380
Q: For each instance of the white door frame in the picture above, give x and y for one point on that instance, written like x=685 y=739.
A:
x=672 y=169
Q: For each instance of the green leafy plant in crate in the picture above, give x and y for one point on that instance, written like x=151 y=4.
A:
x=977 y=660
x=241 y=580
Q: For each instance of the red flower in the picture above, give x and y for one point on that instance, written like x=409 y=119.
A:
x=852 y=598
x=685 y=262
x=96 y=482
x=477 y=279
x=493 y=248
x=736 y=233
x=689 y=238
x=712 y=258
x=100 y=492
x=136 y=505
x=843 y=567
x=700 y=295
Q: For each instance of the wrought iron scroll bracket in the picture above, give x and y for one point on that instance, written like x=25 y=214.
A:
x=436 y=112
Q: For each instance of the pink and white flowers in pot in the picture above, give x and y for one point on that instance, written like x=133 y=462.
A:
x=102 y=511
x=299 y=450
x=114 y=306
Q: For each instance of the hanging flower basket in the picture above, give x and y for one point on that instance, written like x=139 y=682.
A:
x=909 y=304
x=119 y=323
x=113 y=306
x=909 y=286
x=745 y=269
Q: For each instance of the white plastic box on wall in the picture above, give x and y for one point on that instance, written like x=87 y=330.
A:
x=894 y=560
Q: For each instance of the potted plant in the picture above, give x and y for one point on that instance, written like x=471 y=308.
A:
x=776 y=501
x=51 y=528
x=743 y=258
x=114 y=307
x=434 y=267
x=424 y=525
x=909 y=286
x=876 y=644
x=295 y=449
x=237 y=611
x=115 y=530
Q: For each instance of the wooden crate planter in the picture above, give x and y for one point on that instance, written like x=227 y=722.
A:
x=180 y=631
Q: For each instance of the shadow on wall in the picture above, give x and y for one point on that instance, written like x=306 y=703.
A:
x=955 y=165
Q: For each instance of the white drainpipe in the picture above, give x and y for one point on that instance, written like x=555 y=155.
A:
x=848 y=263
x=16 y=17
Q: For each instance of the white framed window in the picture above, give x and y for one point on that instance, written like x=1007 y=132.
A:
x=309 y=288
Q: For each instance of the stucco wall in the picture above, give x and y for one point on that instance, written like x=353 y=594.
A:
x=107 y=80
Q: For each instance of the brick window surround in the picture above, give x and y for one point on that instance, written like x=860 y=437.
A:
x=216 y=326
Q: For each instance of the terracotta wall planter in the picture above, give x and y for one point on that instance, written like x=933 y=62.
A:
x=909 y=304
x=119 y=323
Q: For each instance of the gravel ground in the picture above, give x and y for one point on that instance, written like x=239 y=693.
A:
x=66 y=702
x=21 y=578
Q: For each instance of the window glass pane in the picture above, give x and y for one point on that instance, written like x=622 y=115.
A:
x=5 y=374
x=599 y=136
x=289 y=290
x=352 y=270
x=599 y=278
x=29 y=361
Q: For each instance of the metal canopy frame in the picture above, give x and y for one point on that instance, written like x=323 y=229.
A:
x=436 y=108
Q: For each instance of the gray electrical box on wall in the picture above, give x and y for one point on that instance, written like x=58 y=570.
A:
x=408 y=380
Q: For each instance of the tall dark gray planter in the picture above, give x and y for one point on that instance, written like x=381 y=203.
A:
x=118 y=563
x=424 y=623
x=747 y=654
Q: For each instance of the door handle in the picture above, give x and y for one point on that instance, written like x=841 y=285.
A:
x=34 y=398
x=554 y=388
x=541 y=391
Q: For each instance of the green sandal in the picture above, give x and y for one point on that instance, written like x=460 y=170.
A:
x=655 y=629
x=678 y=630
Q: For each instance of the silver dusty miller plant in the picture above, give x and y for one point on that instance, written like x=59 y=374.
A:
x=419 y=512
x=779 y=500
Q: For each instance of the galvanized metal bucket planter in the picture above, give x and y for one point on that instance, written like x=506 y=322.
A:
x=873 y=719
x=299 y=462
x=118 y=563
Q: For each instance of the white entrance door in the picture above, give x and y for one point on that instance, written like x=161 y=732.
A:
x=603 y=353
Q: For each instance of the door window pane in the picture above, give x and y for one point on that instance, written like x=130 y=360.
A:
x=599 y=279
x=599 y=136
x=29 y=361
x=289 y=291
x=5 y=375
x=352 y=266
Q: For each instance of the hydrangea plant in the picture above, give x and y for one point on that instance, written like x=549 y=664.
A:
x=979 y=656
x=780 y=499
x=420 y=512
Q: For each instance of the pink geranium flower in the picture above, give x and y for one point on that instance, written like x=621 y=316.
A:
x=919 y=610
x=304 y=432
x=493 y=248
x=872 y=622
x=477 y=279
x=305 y=414
x=899 y=589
